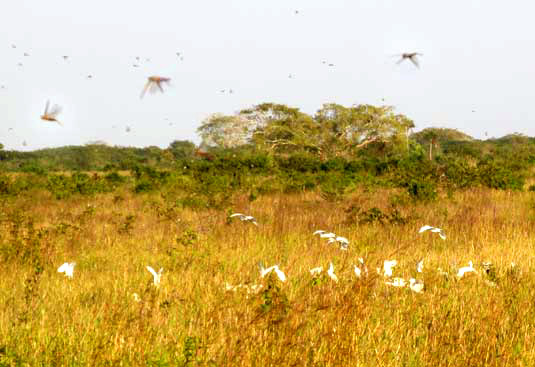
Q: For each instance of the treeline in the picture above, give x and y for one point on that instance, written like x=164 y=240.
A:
x=274 y=148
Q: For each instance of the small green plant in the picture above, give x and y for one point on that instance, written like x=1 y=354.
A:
x=187 y=238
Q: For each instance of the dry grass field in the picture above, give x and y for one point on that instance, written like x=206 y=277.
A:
x=191 y=319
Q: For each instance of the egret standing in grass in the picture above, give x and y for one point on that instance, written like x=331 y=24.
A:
x=420 y=266
x=331 y=274
x=68 y=269
x=396 y=282
x=416 y=286
x=388 y=266
x=466 y=270
x=156 y=276
x=358 y=272
x=266 y=271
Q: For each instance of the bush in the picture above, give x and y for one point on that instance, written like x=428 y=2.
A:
x=422 y=190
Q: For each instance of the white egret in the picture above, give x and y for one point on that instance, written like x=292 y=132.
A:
x=316 y=271
x=416 y=285
x=136 y=297
x=331 y=273
x=68 y=269
x=266 y=271
x=357 y=270
x=245 y=218
x=157 y=276
x=420 y=266
x=434 y=230
x=467 y=269
x=388 y=265
x=397 y=282
x=329 y=235
x=344 y=242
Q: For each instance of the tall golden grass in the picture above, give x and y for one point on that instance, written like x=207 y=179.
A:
x=191 y=319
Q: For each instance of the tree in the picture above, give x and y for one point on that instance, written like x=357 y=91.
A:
x=435 y=137
x=223 y=131
x=350 y=128
x=279 y=128
x=182 y=149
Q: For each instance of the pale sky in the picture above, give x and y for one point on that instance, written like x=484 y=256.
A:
x=477 y=55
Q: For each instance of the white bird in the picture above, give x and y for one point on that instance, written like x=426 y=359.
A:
x=388 y=265
x=357 y=270
x=344 y=242
x=434 y=230
x=266 y=271
x=327 y=235
x=157 y=276
x=416 y=286
x=467 y=269
x=420 y=266
x=397 y=282
x=331 y=273
x=136 y=297
x=245 y=218
x=68 y=269
x=316 y=271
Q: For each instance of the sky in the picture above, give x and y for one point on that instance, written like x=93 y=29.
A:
x=477 y=72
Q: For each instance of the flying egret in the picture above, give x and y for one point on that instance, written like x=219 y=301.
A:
x=316 y=271
x=266 y=271
x=154 y=83
x=397 y=282
x=344 y=242
x=416 y=285
x=420 y=266
x=388 y=265
x=328 y=235
x=50 y=115
x=157 y=276
x=245 y=218
x=331 y=274
x=68 y=269
x=467 y=269
x=434 y=230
